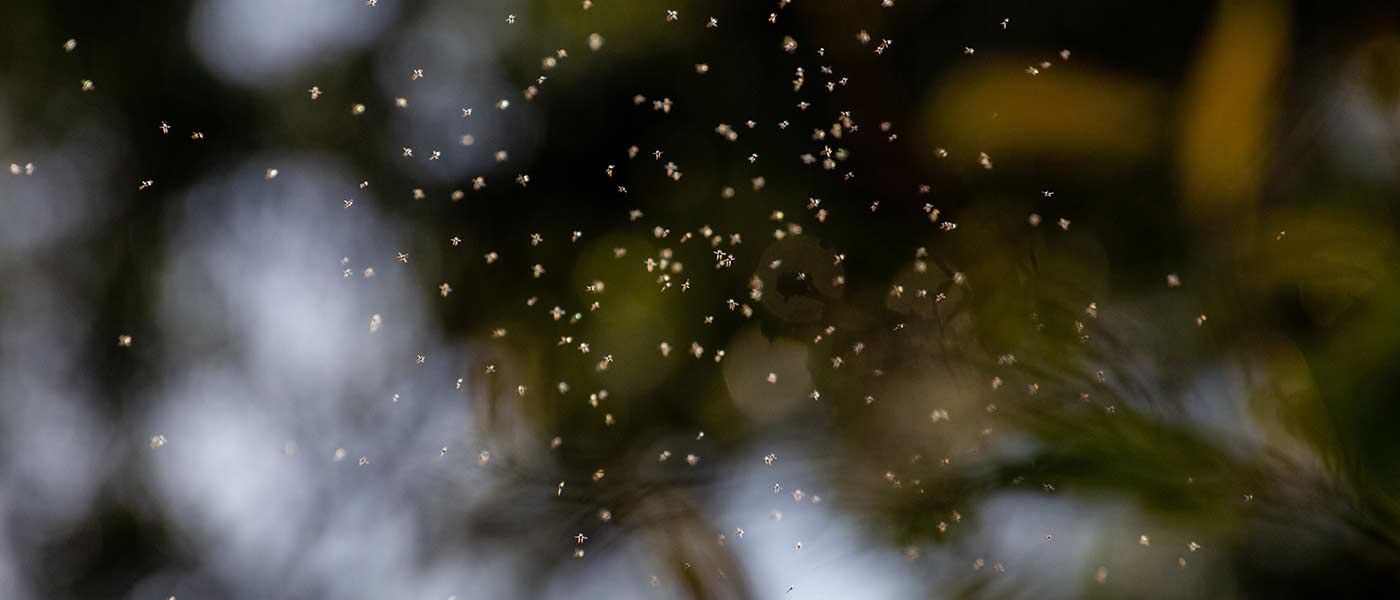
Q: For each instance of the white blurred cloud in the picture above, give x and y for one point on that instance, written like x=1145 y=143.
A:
x=263 y=43
x=273 y=367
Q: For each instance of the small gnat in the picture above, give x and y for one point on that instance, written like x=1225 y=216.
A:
x=124 y=341
x=375 y=322
x=70 y=46
x=157 y=442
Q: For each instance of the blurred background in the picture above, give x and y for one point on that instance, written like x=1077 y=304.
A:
x=876 y=299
